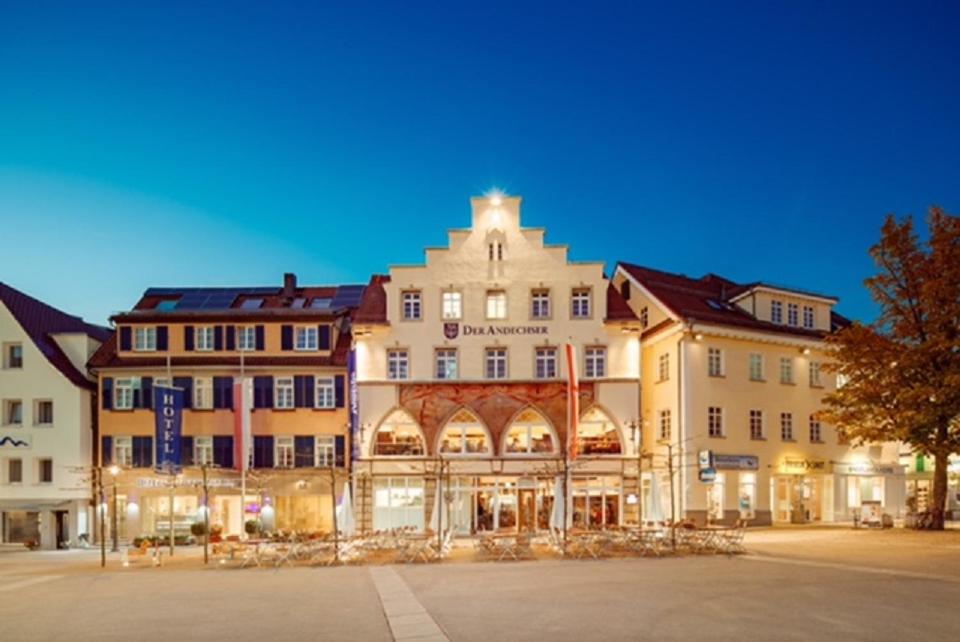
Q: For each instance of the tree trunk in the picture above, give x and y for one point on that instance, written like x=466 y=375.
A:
x=938 y=507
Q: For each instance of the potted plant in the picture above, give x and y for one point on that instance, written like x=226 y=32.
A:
x=251 y=526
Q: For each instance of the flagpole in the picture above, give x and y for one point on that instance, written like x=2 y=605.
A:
x=173 y=477
x=243 y=454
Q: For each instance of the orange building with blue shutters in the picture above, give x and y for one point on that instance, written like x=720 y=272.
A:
x=291 y=343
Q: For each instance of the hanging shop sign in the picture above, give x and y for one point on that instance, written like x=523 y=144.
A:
x=452 y=330
x=736 y=462
x=705 y=459
x=803 y=466
x=168 y=417
x=708 y=475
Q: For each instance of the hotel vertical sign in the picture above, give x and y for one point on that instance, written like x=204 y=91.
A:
x=168 y=414
x=354 y=405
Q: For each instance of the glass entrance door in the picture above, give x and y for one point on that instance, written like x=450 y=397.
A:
x=527 y=509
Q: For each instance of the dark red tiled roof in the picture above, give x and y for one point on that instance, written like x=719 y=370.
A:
x=617 y=308
x=373 y=305
x=41 y=321
x=706 y=300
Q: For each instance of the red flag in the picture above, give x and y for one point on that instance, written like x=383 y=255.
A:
x=573 y=402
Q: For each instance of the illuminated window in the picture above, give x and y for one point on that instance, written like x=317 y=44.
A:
x=530 y=434
x=399 y=435
x=452 y=305
x=464 y=435
x=597 y=434
x=496 y=304
x=123 y=451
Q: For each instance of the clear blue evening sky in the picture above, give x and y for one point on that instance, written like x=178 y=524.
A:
x=198 y=144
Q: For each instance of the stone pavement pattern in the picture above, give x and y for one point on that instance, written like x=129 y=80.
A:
x=797 y=584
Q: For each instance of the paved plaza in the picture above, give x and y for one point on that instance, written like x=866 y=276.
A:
x=795 y=584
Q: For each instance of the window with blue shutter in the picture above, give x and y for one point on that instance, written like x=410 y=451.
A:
x=137 y=394
x=223 y=452
x=188 y=338
x=323 y=334
x=106 y=450
x=231 y=337
x=340 y=444
x=186 y=451
x=338 y=390
x=146 y=397
x=162 y=341
x=303 y=451
x=261 y=339
x=126 y=338
x=187 y=384
x=106 y=395
x=142 y=452
x=286 y=337
x=263 y=452
x=218 y=338
x=223 y=392
x=263 y=392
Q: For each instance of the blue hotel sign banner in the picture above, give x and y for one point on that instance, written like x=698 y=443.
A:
x=168 y=409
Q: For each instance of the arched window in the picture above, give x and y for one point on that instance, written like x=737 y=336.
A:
x=399 y=436
x=463 y=434
x=530 y=434
x=598 y=435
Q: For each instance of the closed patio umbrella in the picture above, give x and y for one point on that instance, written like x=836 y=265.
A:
x=346 y=522
x=654 y=503
x=439 y=505
x=556 y=515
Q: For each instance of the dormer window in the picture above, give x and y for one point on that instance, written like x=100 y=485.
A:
x=792 y=316
x=776 y=311
x=808 y=317
x=251 y=304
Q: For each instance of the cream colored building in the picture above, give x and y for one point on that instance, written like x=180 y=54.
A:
x=461 y=372
x=731 y=380
x=46 y=430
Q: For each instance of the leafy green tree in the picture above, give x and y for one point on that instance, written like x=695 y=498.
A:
x=901 y=373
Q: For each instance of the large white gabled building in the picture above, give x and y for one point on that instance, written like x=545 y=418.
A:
x=46 y=427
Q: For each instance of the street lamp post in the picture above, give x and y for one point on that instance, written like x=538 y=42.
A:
x=114 y=529
x=637 y=439
x=101 y=513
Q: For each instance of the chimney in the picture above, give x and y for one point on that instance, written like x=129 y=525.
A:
x=289 y=285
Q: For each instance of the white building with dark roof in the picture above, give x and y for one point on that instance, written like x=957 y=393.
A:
x=46 y=427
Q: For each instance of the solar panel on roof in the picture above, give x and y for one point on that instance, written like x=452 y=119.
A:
x=321 y=303
x=191 y=301
x=347 y=296
x=251 y=304
x=219 y=301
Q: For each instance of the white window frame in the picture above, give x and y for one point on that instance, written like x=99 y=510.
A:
x=446 y=364
x=715 y=422
x=498 y=358
x=284 y=453
x=324 y=451
x=496 y=305
x=815 y=428
x=37 y=414
x=786 y=370
x=204 y=338
x=246 y=338
x=123 y=388
x=8 y=356
x=715 y=362
x=202 y=450
x=540 y=305
x=8 y=406
x=545 y=363
x=815 y=380
x=398 y=364
x=663 y=367
x=786 y=427
x=283 y=396
x=581 y=303
x=776 y=311
x=451 y=305
x=123 y=451
x=411 y=305
x=305 y=338
x=325 y=393
x=595 y=362
x=809 y=317
x=203 y=393
x=664 y=427
x=145 y=339
x=793 y=314
x=756 y=365
x=756 y=425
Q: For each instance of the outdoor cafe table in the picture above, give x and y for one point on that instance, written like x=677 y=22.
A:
x=509 y=545
x=417 y=547
x=711 y=537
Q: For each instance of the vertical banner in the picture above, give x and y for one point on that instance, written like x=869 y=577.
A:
x=354 y=405
x=242 y=393
x=168 y=416
x=573 y=402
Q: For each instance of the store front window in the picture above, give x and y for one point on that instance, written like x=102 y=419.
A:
x=398 y=503
x=530 y=434
x=596 y=502
x=864 y=489
x=399 y=435
x=464 y=435
x=715 y=492
x=747 y=496
x=598 y=434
